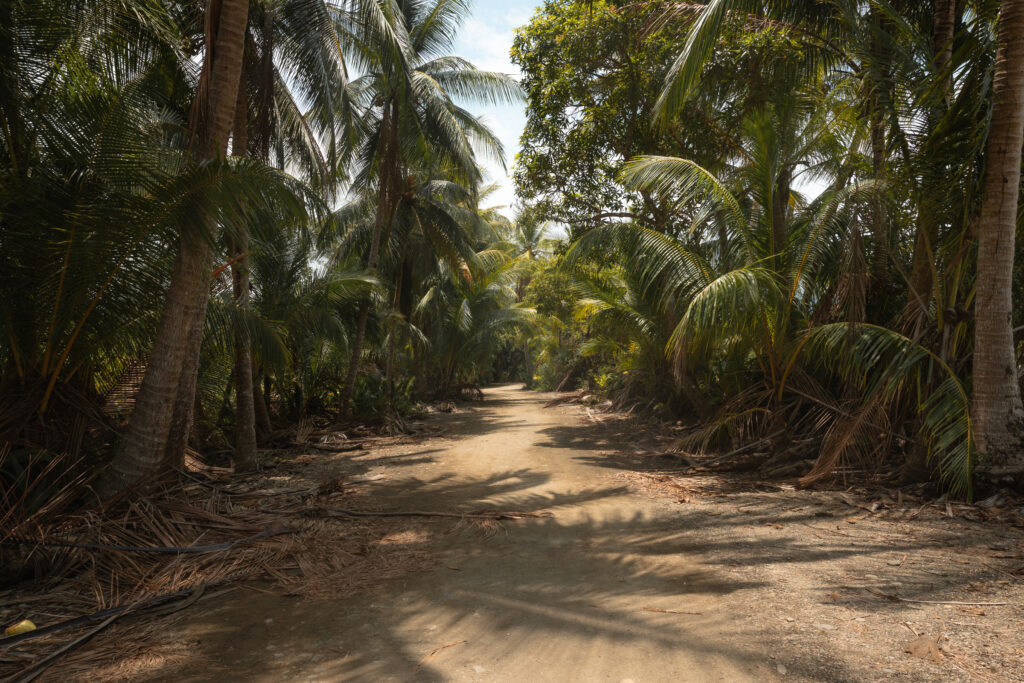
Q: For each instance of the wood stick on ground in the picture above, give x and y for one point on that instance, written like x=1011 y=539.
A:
x=275 y=530
x=667 y=611
x=719 y=458
x=339 y=512
x=889 y=596
x=334 y=449
x=436 y=650
x=116 y=611
x=32 y=672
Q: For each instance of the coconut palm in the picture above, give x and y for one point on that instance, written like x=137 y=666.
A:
x=997 y=395
x=166 y=395
x=97 y=146
x=293 y=54
x=467 y=315
x=997 y=399
x=406 y=99
x=754 y=306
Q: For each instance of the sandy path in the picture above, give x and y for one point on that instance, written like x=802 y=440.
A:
x=553 y=599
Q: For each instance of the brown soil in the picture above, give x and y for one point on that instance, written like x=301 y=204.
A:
x=635 y=576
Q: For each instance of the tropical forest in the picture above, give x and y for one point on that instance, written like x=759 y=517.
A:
x=542 y=340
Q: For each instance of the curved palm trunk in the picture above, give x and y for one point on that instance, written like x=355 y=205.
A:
x=186 y=402
x=996 y=399
x=143 y=452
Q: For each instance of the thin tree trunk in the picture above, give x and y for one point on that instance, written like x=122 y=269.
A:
x=943 y=29
x=388 y=175
x=877 y=225
x=143 y=451
x=922 y=280
x=389 y=370
x=527 y=364
x=878 y=75
x=245 y=410
x=996 y=400
x=262 y=413
x=780 y=209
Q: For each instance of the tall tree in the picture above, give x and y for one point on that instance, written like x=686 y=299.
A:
x=996 y=401
x=529 y=236
x=164 y=396
x=298 y=37
x=245 y=406
x=407 y=98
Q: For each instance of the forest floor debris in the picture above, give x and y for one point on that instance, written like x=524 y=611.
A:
x=288 y=530
x=857 y=557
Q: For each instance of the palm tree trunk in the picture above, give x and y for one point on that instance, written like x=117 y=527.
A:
x=396 y=302
x=996 y=401
x=780 y=210
x=262 y=413
x=877 y=220
x=143 y=450
x=388 y=175
x=943 y=28
x=183 y=413
x=245 y=409
x=926 y=236
x=527 y=364
x=878 y=74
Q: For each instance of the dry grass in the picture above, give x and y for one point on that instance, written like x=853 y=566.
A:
x=303 y=556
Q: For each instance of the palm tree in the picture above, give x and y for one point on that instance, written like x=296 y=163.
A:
x=435 y=229
x=529 y=239
x=299 y=38
x=754 y=304
x=468 y=314
x=997 y=400
x=882 y=49
x=405 y=99
x=167 y=392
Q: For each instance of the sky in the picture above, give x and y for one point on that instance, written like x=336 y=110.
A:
x=485 y=40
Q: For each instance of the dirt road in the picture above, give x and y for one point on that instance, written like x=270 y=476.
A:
x=637 y=574
x=571 y=597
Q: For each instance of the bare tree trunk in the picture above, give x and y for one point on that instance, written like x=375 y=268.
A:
x=143 y=451
x=780 y=209
x=527 y=364
x=388 y=176
x=185 y=399
x=245 y=410
x=996 y=400
x=922 y=280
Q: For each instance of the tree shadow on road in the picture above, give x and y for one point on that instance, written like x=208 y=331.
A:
x=526 y=590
